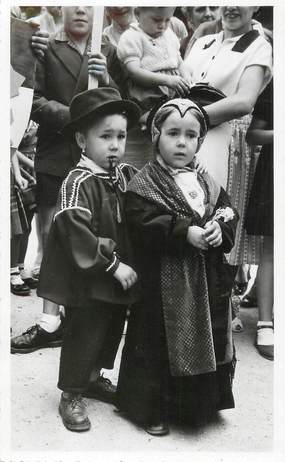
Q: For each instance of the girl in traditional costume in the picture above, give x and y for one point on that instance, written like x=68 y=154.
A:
x=178 y=359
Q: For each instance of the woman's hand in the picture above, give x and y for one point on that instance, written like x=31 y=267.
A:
x=200 y=166
x=195 y=237
x=213 y=233
x=126 y=276
x=39 y=43
x=97 y=66
x=179 y=84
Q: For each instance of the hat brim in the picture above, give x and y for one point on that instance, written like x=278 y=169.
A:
x=204 y=94
x=125 y=107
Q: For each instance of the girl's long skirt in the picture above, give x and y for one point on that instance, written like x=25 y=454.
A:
x=259 y=216
x=147 y=392
x=242 y=164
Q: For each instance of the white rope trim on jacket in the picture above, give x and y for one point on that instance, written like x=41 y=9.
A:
x=74 y=207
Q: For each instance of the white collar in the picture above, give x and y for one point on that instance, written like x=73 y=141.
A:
x=89 y=163
x=173 y=171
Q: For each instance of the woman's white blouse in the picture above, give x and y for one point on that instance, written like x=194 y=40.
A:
x=212 y=60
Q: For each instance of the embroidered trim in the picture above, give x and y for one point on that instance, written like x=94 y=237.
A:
x=73 y=201
x=74 y=207
x=113 y=264
x=75 y=188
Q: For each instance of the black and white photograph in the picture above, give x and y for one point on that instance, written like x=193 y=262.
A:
x=144 y=250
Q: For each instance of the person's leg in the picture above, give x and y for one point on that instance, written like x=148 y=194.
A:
x=39 y=256
x=50 y=309
x=48 y=332
x=81 y=356
x=265 y=333
x=100 y=387
x=17 y=285
x=265 y=281
x=26 y=273
x=241 y=280
x=249 y=298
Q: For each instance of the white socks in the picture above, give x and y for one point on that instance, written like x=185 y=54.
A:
x=265 y=336
x=15 y=277
x=49 y=322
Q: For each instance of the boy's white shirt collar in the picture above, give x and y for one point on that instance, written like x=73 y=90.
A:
x=89 y=163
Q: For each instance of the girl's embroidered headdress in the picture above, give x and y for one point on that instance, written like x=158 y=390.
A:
x=182 y=106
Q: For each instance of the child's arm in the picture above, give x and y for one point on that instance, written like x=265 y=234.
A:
x=213 y=233
x=21 y=182
x=196 y=237
x=131 y=51
x=126 y=276
x=97 y=66
x=220 y=230
x=39 y=43
x=257 y=132
x=147 y=78
x=185 y=73
x=47 y=112
x=88 y=252
x=25 y=160
x=155 y=229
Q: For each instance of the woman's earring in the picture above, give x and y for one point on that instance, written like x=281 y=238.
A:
x=82 y=151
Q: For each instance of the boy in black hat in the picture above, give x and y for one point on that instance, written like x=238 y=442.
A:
x=87 y=266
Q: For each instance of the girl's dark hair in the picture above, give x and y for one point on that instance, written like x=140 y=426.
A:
x=165 y=112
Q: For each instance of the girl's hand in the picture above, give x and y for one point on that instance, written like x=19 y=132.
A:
x=21 y=182
x=97 y=66
x=213 y=233
x=200 y=166
x=39 y=43
x=125 y=275
x=180 y=85
x=195 y=237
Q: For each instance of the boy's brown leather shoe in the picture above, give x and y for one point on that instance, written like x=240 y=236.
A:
x=72 y=410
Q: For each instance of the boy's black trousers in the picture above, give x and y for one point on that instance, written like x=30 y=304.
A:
x=91 y=339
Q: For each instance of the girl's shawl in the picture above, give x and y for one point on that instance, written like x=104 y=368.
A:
x=183 y=279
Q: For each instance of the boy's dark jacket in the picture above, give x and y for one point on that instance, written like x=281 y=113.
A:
x=83 y=242
x=62 y=75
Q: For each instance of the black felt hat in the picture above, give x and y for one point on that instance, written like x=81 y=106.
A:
x=96 y=102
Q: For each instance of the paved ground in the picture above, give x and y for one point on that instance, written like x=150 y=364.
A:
x=36 y=425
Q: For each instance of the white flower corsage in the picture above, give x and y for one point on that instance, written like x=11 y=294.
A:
x=225 y=214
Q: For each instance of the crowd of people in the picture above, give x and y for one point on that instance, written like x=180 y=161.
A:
x=150 y=194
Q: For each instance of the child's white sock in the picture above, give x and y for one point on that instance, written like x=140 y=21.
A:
x=15 y=277
x=265 y=335
x=49 y=322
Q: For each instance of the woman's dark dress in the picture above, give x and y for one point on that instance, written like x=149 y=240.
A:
x=259 y=217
